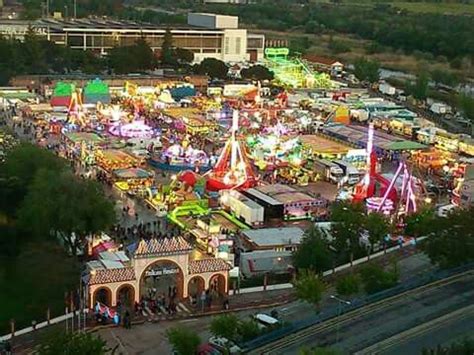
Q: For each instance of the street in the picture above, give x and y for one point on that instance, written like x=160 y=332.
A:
x=394 y=317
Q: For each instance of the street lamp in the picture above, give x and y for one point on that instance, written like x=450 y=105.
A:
x=341 y=302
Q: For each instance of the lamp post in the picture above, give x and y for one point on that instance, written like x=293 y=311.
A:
x=341 y=302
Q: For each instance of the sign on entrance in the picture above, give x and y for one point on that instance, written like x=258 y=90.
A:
x=162 y=271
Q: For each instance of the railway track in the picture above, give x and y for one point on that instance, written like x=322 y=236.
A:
x=348 y=317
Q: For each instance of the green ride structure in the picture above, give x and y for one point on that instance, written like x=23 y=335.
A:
x=293 y=72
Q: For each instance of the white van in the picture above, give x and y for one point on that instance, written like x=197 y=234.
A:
x=265 y=320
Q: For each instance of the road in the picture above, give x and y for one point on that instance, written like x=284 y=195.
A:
x=454 y=326
x=362 y=328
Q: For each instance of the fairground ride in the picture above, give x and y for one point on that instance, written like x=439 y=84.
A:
x=293 y=72
x=382 y=195
x=233 y=168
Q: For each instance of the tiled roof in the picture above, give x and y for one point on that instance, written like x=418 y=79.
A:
x=320 y=60
x=208 y=265
x=162 y=246
x=105 y=276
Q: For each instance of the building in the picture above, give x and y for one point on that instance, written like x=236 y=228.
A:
x=206 y=35
x=323 y=64
x=283 y=201
x=268 y=250
x=158 y=265
x=276 y=239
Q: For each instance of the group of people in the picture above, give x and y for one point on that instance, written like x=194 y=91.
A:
x=154 y=302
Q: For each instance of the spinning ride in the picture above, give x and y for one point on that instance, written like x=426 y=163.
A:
x=233 y=169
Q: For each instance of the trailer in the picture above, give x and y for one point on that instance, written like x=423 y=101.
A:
x=242 y=207
x=387 y=89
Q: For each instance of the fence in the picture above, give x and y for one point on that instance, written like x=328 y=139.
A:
x=328 y=272
x=355 y=303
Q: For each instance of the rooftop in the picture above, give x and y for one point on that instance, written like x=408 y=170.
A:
x=162 y=246
x=96 y=24
x=274 y=236
x=208 y=265
x=282 y=194
x=103 y=276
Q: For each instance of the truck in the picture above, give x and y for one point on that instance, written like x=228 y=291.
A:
x=440 y=108
x=351 y=174
x=329 y=171
x=387 y=89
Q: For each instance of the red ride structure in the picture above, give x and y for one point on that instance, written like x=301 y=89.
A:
x=233 y=169
x=373 y=184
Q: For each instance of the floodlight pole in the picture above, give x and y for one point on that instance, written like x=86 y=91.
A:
x=339 y=309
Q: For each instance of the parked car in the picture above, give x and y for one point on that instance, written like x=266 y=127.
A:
x=222 y=343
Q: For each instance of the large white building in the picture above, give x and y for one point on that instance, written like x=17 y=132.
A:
x=206 y=35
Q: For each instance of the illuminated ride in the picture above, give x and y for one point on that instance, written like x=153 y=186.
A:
x=372 y=183
x=384 y=196
x=178 y=158
x=135 y=129
x=233 y=169
x=294 y=72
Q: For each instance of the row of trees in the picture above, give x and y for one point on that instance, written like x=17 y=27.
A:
x=438 y=34
x=46 y=213
x=36 y=55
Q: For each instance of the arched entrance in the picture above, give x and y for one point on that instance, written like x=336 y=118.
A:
x=103 y=295
x=217 y=284
x=126 y=295
x=195 y=287
x=163 y=278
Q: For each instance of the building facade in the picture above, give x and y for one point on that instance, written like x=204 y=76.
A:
x=206 y=35
x=156 y=265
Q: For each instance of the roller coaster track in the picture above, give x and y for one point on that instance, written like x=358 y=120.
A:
x=350 y=316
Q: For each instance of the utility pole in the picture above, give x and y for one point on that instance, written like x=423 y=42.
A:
x=341 y=302
x=47 y=8
x=75 y=9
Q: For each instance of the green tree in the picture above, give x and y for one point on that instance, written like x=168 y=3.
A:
x=225 y=326
x=348 y=221
x=452 y=242
x=420 y=89
x=33 y=53
x=122 y=60
x=62 y=205
x=420 y=223
x=367 y=70
x=214 y=68
x=19 y=170
x=184 y=56
x=145 y=57
x=313 y=252
x=376 y=279
x=167 y=52
x=183 y=340
x=466 y=104
x=248 y=329
x=377 y=226
x=73 y=344
x=348 y=285
x=257 y=72
x=441 y=76
x=309 y=287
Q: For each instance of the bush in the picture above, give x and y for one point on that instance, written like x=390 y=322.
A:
x=248 y=329
x=348 y=285
x=376 y=279
x=225 y=326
